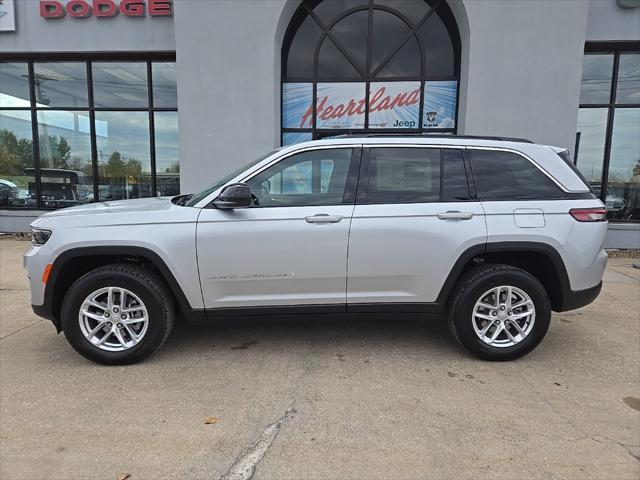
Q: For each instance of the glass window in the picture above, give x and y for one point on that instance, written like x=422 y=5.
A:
x=17 y=180
x=317 y=177
x=120 y=84
x=623 y=192
x=592 y=128
x=403 y=175
x=628 y=90
x=351 y=33
x=439 y=58
x=124 y=164
x=165 y=86
x=455 y=187
x=301 y=51
x=597 y=70
x=388 y=30
x=327 y=11
x=167 y=160
x=65 y=158
x=508 y=176
x=61 y=84
x=333 y=64
x=14 y=85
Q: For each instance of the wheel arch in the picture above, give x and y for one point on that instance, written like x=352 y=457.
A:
x=74 y=263
x=539 y=259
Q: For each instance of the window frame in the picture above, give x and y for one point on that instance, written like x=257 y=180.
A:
x=364 y=178
x=88 y=59
x=439 y=8
x=616 y=48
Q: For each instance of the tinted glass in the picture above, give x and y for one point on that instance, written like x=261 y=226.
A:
x=623 y=194
x=403 y=175
x=14 y=85
x=414 y=10
x=317 y=177
x=61 y=84
x=65 y=158
x=302 y=50
x=508 y=176
x=628 y=90
x=438 y=49
x=120 y=84
x=329 y=10
x=597 y=71
x=455 y=187
x=17 y=181
x=405 y=63
x=124 y=164
x=332 y=64
x=164 y=80
x=167 y=160
x=388 y=31
x=351 y=34
x=592 y=127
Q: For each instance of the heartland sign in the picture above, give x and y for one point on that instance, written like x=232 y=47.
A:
x=53 y=9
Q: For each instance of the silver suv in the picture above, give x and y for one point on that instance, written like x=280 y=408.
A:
x=491 y=233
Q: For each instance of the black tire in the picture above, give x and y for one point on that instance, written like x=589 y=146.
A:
x=150 y=288
x=469 y=290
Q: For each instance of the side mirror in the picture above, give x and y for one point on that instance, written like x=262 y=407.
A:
x=236 y=195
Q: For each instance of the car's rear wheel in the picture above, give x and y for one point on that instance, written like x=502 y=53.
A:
x=499 y=312
x=117 y=314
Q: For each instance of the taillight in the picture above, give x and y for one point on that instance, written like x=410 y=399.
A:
x=589 y=214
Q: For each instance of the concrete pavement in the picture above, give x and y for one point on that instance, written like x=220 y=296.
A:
x=324 y=398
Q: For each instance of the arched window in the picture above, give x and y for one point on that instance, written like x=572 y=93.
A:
x=369 y=66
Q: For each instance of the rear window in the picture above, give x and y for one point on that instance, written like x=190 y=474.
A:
x=507 y=176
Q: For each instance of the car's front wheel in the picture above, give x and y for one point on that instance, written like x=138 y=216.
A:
x=499 y=312
x=117 y=314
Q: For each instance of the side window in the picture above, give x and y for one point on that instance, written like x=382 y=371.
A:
x=402 y=175
x=508 y=176
x=455 y=187
x=316 y=177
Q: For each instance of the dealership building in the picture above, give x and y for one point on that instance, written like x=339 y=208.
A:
x=111 y=99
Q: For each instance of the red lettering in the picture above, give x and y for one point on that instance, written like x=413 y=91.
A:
x=104 y=8
x=160 y=8
x=374 y=99
x=326 y=113
x=132 y=8
x=414 y=97
x=78 y=9
x=51 y=9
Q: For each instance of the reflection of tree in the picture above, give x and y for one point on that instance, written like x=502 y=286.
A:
x=636 y=169
x=14 y=150
x=55 y=151
x=9 y=162
x=173 y=168
x=116 y=166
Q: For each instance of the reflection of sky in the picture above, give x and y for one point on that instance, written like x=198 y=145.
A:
x=166 y=124
x=440 y=97
x=128 y=134
x=591 y=125
x=625 y=143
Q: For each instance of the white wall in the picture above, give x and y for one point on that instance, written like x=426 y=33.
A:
x=607 y=21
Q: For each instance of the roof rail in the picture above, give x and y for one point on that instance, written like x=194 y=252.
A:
x=433 y=135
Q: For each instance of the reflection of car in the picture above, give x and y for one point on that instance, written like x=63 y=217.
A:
x=61 y=188
x=9 y=194
x=495 y=251
x=614 y=204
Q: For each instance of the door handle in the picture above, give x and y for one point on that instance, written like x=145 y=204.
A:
x=455 y=215
x=323 y=218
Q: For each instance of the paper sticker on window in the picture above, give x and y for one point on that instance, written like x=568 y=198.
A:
x=439 y=104
x=297 y=101
x=394 y=104
x=340 y=105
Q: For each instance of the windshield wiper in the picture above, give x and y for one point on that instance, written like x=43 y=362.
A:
x=182 y=199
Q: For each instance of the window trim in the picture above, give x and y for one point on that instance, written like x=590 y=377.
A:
x=88 y=59
x=351 y=184
x=306 y=10
x=616 y=48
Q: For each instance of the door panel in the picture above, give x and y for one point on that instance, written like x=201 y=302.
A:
x=290 y=247
x=401 y=251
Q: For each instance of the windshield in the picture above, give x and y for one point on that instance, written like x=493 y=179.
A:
x=195 y=198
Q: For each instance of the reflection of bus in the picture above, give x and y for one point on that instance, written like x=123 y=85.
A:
x=61 y=188
x=167 y=184
x=9 y=194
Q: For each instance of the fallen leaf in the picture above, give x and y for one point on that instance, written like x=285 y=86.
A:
x=209 y=421
x=123 y=476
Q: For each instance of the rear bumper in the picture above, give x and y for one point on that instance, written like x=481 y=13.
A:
x=574 y=299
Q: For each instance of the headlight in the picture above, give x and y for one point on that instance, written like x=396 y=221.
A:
x=39 y=237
